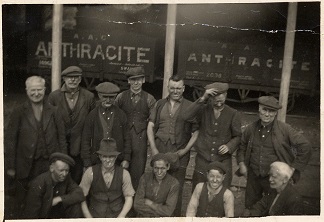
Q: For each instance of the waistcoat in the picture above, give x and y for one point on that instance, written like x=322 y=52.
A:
x=106 y=202
x=137 y=115
x=214 y=208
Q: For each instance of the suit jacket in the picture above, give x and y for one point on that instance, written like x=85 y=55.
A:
x=85 y=103
x=40 y=195
x=21 y=137
x=288 y=203
x=93 y=134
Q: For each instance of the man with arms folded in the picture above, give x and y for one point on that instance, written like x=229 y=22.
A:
x=157 y=193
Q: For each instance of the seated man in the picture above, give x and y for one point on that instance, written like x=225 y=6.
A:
x=157 y=193
x=108 y=185
x=283 y=198
x=212 y=199
x=54 y=194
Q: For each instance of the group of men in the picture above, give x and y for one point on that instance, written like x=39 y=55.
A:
x=75 y=157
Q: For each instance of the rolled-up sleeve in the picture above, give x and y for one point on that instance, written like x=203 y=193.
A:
x=128 y=189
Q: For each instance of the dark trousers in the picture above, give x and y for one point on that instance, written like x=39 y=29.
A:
x=179 y=173
x=256 y=187
x=139 y=156
x=200 y=172
x=77 y=170
x=60 y=211
x=40 y=166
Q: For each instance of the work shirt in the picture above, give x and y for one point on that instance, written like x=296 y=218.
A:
x=164 y=196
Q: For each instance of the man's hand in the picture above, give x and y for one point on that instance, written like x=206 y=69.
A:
x=181 y=152
x=148 y=202
x=243 y=169
x=154 y=151
x=208 y=93
x=56 y=200
x=223 y=149
x=124 y=164
x=11 y=172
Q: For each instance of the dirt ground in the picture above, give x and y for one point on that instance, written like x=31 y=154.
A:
x=307 y=122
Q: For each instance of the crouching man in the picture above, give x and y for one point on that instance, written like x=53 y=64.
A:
x=158 y=191
x=212 y=198
x=107 y=185
x=54 y=194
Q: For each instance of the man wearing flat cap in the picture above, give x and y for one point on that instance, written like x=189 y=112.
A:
x=265 y=141
x=169 y=132
x=137 y=105
x=54 y=194
x=106 y=121
x=212 y=198
x=158 y=191
x=107 y=185
x=74 y=103
x=219 y=131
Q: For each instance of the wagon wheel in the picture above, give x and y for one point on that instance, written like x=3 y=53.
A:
x=197 y=92
x=89 y=81
x=243 y=93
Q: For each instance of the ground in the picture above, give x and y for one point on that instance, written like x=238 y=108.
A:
x=304 y=118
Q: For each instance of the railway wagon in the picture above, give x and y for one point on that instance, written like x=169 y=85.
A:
x=105 y=45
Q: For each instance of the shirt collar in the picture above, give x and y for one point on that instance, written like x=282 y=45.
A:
x=64 y=89
x=134 y=94
x=104 y=171
x=267 y=127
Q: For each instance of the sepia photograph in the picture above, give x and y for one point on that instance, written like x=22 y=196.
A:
x=161 y=110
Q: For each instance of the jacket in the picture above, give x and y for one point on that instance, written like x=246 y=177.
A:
x=289 y=145
x=40 y=195
x=73 y=123
x=93 y=134
x=288 y=203
x=21 y=137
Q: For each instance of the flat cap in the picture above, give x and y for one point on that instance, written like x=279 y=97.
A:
x=63 y=157
x=216 y=165
x=135 y=72
x=220 y=87
x=72 y=71
x=270 y=102
x=107 y=88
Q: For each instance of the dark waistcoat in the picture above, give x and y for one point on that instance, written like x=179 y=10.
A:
x=214 y=208
x=137 y=115
x=104 y=202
